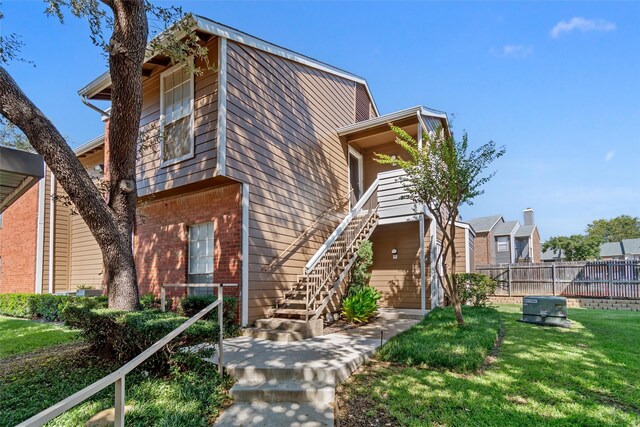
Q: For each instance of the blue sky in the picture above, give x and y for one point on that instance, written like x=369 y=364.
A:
x=557 y=83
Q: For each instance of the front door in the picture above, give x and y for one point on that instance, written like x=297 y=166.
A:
x=355 y=175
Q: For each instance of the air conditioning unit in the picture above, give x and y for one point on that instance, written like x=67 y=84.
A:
x=545 y=310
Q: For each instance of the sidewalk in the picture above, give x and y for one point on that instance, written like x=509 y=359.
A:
x=293 y=383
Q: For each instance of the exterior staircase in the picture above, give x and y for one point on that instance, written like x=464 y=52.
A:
x=306 y=301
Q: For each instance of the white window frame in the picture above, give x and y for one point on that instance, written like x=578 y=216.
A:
x=360 y=158
x=213 y=233
x=504 y=242
x=191 y=152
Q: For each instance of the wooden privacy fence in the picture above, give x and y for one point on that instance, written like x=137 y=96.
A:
x=597 y=279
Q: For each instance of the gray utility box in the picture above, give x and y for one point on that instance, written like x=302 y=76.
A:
x=545 y=310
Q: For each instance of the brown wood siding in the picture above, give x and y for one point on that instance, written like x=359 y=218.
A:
x=373 y=168
x=281 y=140
x=150 y=175
x=460 y=244
x=61 y=243
x=363 y=104
x=398 y=279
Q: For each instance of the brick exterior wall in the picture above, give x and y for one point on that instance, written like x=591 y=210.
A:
x=18 y=244
x=596 y=303
x=161 y=238
x=483 y=248
x=537 y=250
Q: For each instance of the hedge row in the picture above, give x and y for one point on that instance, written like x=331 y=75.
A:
x=44 y=306
x=125 y=334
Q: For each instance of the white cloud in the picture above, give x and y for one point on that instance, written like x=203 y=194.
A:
x=513 y=51
x=610 y=154
x=581 y=24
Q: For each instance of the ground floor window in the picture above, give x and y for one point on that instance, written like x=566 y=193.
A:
x=201 y=257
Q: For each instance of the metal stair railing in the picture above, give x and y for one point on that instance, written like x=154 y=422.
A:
x=321 y=267
x=118 y=376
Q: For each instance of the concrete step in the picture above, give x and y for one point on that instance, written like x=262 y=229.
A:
x=283 y=391
x=256 y=375
x=277 y=415
x=273 y=334
x=293 y=312
x=286 y=330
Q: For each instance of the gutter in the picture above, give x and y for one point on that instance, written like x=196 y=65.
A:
x=105 y=115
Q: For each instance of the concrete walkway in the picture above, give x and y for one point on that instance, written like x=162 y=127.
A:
x=293 y=383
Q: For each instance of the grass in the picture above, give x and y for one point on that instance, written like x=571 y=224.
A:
x=586 y=375
x=191 y=395
x=18 y=336
x=436 y=342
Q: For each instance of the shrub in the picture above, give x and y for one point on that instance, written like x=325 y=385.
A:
x=148 y=301
x=361 y=304
x=16 y=305
x=360 y=272
x=125 y=334
x=475 y=288
x=44 y=306
x=190 y=306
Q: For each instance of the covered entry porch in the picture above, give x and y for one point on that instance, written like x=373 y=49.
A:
x=405 y=240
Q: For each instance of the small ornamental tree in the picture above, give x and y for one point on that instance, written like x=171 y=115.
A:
x=443 y=174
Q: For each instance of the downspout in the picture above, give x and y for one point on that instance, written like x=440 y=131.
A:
x=467 y=261
x=423 y=270
x=52 y=211
x=93 y=107
x=244 y=295
x=40 y=236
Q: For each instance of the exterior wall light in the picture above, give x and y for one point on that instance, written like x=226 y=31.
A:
x=394 y=253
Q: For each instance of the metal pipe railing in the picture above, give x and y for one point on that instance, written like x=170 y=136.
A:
x=118 y=377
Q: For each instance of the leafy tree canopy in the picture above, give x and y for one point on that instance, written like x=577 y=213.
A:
x=443 y=173
x=615 y=229
x=12 y=137
x=576 y=247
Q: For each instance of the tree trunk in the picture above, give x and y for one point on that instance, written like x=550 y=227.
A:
x=457 y=308
x=110 y=223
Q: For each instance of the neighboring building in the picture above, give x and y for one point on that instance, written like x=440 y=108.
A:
x=267 y=172
x=21 y=228
x=502 y=242
x=628 y=249
x=552 y=256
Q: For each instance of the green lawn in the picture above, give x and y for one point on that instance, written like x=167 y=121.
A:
x=586 y=375
x=190 y=395
x=18 y=336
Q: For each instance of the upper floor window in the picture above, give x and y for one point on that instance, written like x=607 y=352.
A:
x=503 y=244
x=176 y=114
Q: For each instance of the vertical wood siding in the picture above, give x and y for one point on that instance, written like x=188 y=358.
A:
x=399 y=279
x=281 y=140
x=150 y=175
x=363 y=104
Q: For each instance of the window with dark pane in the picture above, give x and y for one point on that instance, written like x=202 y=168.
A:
x=201 y=257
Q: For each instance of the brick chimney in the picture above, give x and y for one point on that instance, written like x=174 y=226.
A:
x=528 y=217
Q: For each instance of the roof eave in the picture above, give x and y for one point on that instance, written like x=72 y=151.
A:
x=217 y=29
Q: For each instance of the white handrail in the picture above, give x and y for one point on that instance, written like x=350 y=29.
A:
x=345 y=222
x=118 y=375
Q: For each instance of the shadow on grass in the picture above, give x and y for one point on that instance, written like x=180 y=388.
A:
x=586 y=375
x=192 y=395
